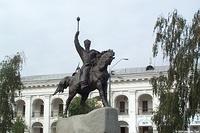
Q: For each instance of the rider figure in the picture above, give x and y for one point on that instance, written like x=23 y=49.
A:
x=88 y=58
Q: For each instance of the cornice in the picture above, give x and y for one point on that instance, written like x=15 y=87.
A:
x=127 y=75
x=135 y=77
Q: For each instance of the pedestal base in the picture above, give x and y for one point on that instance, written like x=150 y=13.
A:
x=103 y=120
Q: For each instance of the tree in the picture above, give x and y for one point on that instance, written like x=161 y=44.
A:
x=179 y=89
x=10 y=82
x=18 y=126
x=76 y=109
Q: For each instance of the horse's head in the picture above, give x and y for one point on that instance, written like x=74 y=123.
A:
x=63 y=84
x=106 y=58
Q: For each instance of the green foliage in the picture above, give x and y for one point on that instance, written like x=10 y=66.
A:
x=180 y=45
x=10 y=81
x=19 y=126
x=76 y=109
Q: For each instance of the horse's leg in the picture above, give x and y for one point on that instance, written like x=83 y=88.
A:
x=105 y=91
x=83 y=99
x=69 y=99
x=102 y=94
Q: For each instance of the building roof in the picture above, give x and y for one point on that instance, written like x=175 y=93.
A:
x=119 y=75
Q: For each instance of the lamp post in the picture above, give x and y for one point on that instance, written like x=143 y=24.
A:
x=111 y=73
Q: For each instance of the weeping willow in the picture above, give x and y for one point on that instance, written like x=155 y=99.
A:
x=10 y=82
x=179 y=89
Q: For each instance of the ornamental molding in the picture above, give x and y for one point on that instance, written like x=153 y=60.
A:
x=121 y=76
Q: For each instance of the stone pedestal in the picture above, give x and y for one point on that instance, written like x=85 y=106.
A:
x=103 y=120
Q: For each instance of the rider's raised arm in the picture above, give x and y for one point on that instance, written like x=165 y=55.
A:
x=77 y=45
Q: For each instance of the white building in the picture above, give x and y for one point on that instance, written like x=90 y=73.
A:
x=131 y=95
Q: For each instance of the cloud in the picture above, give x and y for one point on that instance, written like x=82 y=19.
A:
x=44 y=30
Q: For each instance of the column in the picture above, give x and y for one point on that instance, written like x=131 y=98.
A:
x=155 y=105
x=28 y=113
x=64 y=103
x=112 y=100
x=64 y=106
x=155 y=102
x=132 y=112
x=46 y=124
x=188 y=129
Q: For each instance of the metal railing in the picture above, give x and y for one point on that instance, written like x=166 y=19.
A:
x=148 y=111
x=37 y=114
x=122 y=112
x=20 y=114
x=56 y=113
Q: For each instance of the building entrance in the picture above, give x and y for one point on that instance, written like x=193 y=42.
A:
x=146 y=129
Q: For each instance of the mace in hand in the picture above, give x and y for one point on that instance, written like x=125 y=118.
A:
x=78 y=19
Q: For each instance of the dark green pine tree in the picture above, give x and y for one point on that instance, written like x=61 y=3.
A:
x=76 y=109
x=179 y=89
x=19 y=125
x=10 y=82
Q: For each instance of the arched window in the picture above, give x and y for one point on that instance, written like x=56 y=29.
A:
x=123 y=127
x=53 y=127
x=37 y=127
x=57 y=107
x=145 y=105
x=38 y=108
x=20 y=108
x=121 y=104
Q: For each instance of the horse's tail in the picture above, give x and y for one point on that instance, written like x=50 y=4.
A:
x=63 y=84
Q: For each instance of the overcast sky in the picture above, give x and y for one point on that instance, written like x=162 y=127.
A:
x=44 y=30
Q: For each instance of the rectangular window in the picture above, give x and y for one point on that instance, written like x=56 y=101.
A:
x=145 y=130
x=41 y=130
x=144 y=106
x=60 y=110
x=23 y=111
x=122 y=129
x=41 y=110
x=122 y=106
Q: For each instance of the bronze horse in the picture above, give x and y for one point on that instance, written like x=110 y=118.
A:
x=97 y=80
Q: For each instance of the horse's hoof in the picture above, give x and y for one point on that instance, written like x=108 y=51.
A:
x=65 y=115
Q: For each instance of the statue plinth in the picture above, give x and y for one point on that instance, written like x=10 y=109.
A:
x=102 y=120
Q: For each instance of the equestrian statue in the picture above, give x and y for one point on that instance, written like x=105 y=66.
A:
x=91 y=76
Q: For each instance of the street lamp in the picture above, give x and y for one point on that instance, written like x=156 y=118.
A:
x=111 y=73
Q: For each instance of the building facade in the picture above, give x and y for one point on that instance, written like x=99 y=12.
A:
x=131 y=94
